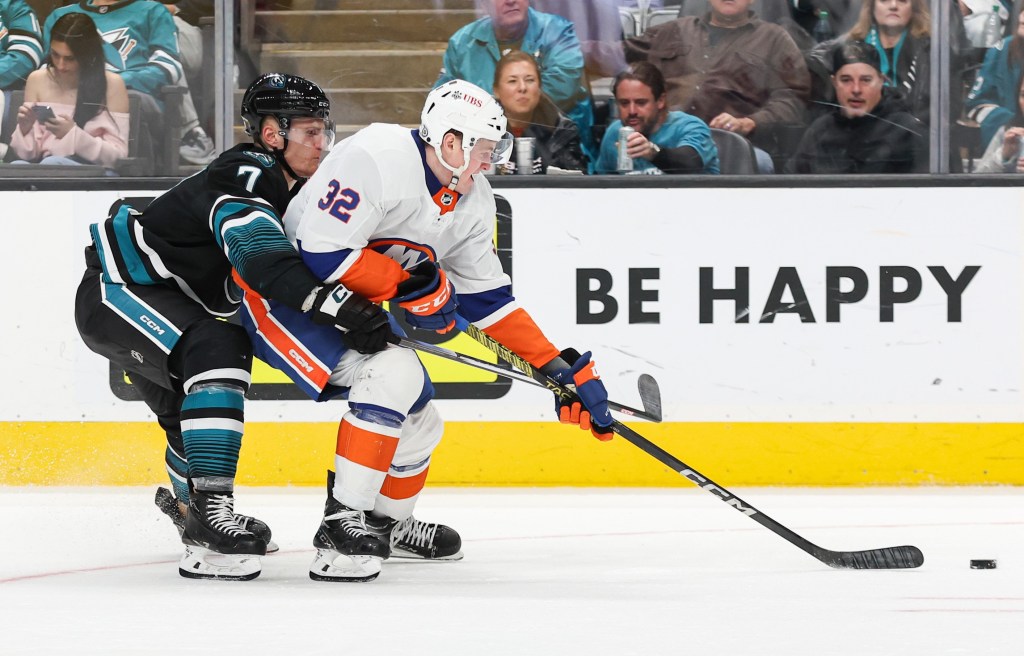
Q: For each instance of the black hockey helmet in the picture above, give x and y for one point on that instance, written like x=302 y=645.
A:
x=282 y=96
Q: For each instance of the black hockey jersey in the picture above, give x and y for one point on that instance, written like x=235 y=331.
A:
x=226 y=216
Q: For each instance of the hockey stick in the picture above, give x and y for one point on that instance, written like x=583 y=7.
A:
x=903 y=557
x=649 y=392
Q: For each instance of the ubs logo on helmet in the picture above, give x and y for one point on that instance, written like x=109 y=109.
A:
x=476 y=102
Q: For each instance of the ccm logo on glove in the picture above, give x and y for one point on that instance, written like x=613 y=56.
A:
x=428 y=298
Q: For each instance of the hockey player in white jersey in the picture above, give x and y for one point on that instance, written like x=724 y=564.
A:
x=404 y=216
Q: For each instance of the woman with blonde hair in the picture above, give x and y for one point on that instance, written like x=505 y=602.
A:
x=531 y=113
x=900 y=30
x=75 y=111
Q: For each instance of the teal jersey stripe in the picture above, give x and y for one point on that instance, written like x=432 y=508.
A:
x=132 y=259
x=229 y=210
x=94 y=230
x=254 y=239
x=142 y=316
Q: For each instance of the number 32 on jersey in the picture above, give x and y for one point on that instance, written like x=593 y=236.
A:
x=338 y=200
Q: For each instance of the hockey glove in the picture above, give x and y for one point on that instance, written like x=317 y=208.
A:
x=364 y=325
x=589 y=406
x=428 y=298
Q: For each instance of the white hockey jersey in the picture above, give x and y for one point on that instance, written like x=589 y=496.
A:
x=374 y=191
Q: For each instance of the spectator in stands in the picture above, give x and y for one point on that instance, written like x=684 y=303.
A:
x=1004 y=153
x=21 y=52
x=871 y=131
x=531 y=113
x=21 y=43
x=75 y=111
x=599 y=30
x=663 y=141
x=992 y=101
x=730 y=69
x=474 y=50
x=142 y=45
x=187 y=14
x=900 y=31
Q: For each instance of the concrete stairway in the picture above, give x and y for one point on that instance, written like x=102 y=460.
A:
x=376 y=59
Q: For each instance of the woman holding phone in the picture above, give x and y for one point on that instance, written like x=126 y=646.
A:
x=75 y=112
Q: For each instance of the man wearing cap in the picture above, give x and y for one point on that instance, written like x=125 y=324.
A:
x=870 y=130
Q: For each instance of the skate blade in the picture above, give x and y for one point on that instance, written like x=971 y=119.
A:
x=330 y=565
x=201 y=563
x=397 y=552
x=272 y=547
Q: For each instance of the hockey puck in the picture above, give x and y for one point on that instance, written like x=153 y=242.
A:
x=983 y=564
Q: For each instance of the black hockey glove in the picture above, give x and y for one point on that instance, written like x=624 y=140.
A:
x=588 y=407
x=364 y=325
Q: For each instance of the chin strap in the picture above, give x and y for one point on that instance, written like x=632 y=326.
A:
x=456 y=172
x=279 y=156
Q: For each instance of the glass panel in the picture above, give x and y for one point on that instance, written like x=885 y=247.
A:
x=765 y=77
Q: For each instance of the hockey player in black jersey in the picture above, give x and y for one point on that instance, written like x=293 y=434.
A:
x=158 y=281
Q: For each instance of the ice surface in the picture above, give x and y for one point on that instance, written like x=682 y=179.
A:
x=94 y=571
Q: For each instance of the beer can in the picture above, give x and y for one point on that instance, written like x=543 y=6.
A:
x=625 y=162
x=524 y=155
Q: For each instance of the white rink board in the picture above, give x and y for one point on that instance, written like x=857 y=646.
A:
x=920 y=367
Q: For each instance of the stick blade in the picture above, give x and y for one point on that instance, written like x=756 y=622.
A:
x=905 y=557
x=650 y=395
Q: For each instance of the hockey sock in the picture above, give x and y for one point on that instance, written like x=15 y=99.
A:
x=177 y=472
x=212 y=419
x=367 y=440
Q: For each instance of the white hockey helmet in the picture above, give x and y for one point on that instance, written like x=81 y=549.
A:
x=459 y=105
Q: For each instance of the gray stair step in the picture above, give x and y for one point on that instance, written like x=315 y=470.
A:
x=362 y=69
x=365 y=46
x=310 y=5
x=342 y=26
x=364 y=106
x=340 y=131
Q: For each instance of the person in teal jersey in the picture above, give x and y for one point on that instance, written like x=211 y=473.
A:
x=992 y=101
x=21 y=52
x=664 y=141
x=21 y=47
x=474 y=50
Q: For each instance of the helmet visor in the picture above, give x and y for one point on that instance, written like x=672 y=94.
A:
x=492 y=152
x=311 y=133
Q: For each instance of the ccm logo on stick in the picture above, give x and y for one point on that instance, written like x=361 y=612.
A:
x=843 y=284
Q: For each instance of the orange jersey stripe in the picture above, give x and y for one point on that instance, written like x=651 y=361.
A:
x=241 y=283
x=518 y=332
x=404 y=488
x=366 y=448
x=286 y=347
x=374 y=276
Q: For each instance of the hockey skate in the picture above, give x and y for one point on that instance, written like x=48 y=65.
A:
x=216 y=547
x=170 y=506
x=345 y=550
x=411 y=538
